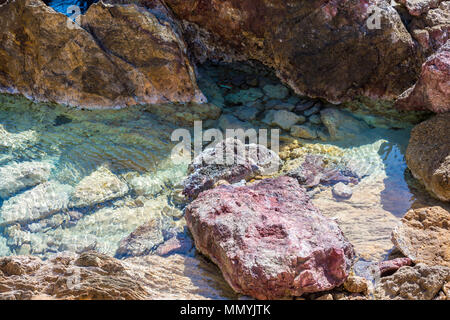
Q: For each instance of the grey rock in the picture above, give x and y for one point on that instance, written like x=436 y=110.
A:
x=342 y=190
x=342 y=125
x=276 y=91
x=303 y=131
x=246 y=113
x=244 y=96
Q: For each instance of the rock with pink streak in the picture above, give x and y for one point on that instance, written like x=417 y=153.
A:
x=388 y=267
x=432 y=91
x=269 y=240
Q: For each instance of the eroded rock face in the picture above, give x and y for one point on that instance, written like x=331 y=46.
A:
x=320 y=49
x=432 y=90
x=428 y=155
x=420 y=282
x=121 y=55
x=229 y=160
x=424 y=236
x=95 y=276
x=269 y=240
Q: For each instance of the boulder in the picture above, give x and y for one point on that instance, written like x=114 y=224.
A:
x=268 y=239
x=420 y=282
x=304 y=131
x=94 y=276
x=244 y=162
x=330 y=50
x=119 y=55
x=18 y=176
x=419 y=7
x=100 y=186
x=282 y=118
x=424 y=236
x=428 y=155
x=432 y=90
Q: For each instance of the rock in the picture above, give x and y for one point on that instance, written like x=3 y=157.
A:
x=341 y=124
x=142 y=241
x=176 y=244
x=269 y=240
x=244 y=96
x=419 y=7
x=228 y=121
x=428 y=155
x=279 y=105
x=185 y=114
x=94 y=276
x=315 y=109
x=356 y=284
x=276 y=91
x=304 y=132
x=121 y=55
x=18 y=176
x=432 y=90
x=388 y=267
x=246 y=113
x=420 y=282
x=337 y=61
x=282 y=118
x=315 y=119
x=17 y=141
x=432 y=29
x=245 y=162
x=424 y=236
x=342 y=190
x=304 y=105
x=100 y=186
x=37 y=203
x=313 y=171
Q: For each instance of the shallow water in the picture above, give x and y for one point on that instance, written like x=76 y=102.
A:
x=63 y=5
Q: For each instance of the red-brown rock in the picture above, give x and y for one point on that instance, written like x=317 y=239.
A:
x=388 y=267
x=269 y=240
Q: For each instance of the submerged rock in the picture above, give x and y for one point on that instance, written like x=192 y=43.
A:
x=341 y=190
x=304 y=132
x=102 y=185
x=94 y=276
x=269 y=240
x=432 y=90
x=37 y=203
x=428 y=155
x=18 y=176
x=231 y=161
x=121 y=55
x=420 y=282
x=424 y=236
x=141 y=241
x=282 y=118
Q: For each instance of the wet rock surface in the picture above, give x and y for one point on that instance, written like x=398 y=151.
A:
x=121 y=55
x=229 y=160
x=428 y=155
x=269 y=240
x=420 y=282
x=424 y=236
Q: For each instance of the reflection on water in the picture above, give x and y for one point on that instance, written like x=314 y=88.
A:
x=63 y=5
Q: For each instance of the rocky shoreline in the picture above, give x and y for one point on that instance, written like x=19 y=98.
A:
x=317 y=227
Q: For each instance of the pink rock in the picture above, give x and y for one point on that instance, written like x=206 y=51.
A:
x=390 y=266
x=269 y=240
x=432 y=91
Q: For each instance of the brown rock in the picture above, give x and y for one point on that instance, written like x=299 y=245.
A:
x=388 y=267
x=420 y=282
x=121 y=55
x=95 y=276
x=424 y=236
x=321 y=49
x=428 y=155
